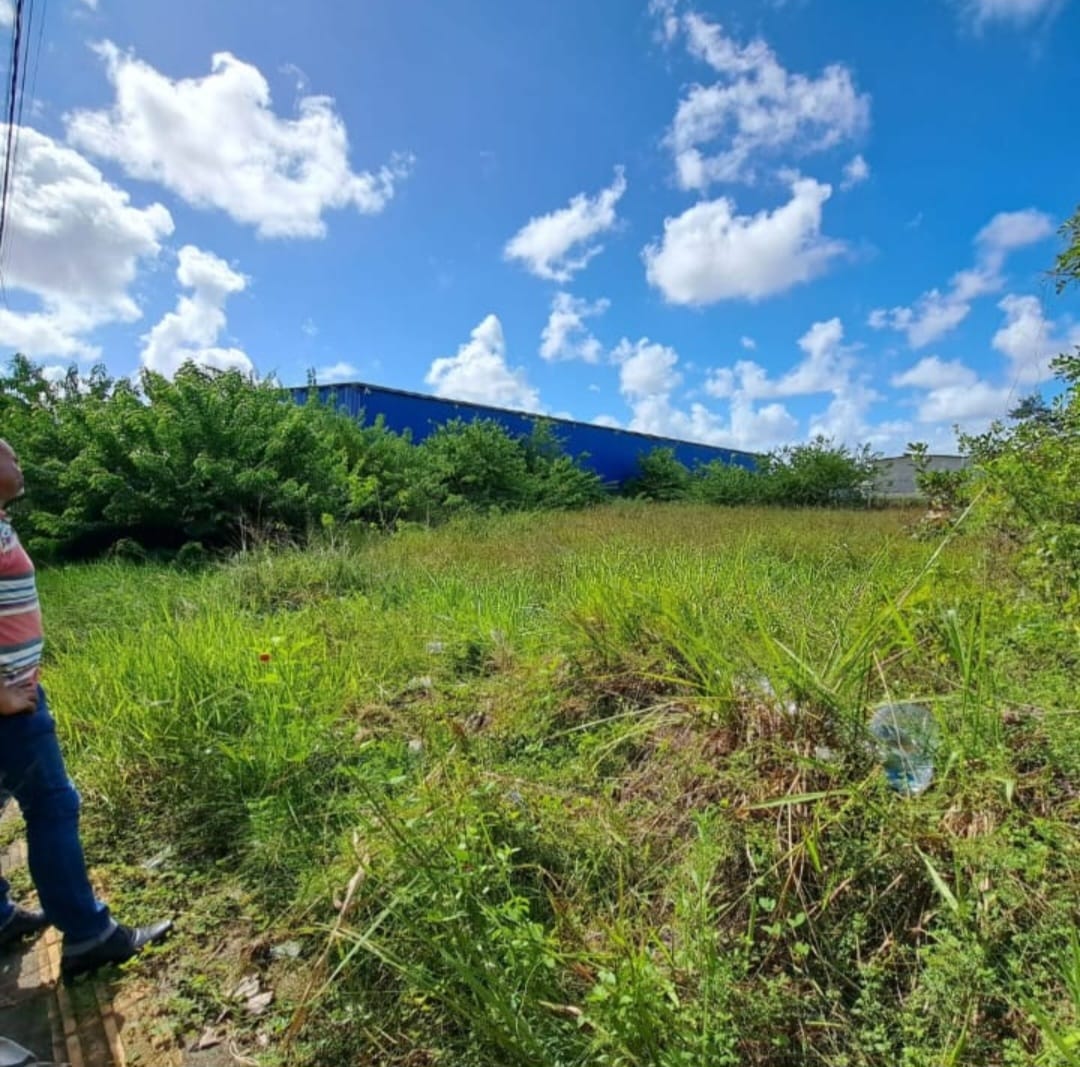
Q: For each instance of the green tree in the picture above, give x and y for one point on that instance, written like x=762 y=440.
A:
x=818 y=474
x=1066 y=269
x=660 y=476
x=206 y=457
x=1032 y=466
x=727 y=484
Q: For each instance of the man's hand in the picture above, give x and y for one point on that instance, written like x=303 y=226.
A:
x=17 y=698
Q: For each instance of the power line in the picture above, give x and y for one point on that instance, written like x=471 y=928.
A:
x=12 y=106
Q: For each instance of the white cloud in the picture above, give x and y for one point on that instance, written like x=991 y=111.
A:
x=216 y=142
x=936 y=313
x=757 y=109
x=748 y=343
x=566 y=336
x=479 y=372
x=844 y=420
x=648 y=376
x=952 y=392
x=1016 y=11
x=75 y=243
x=607 y=420
x=747 y=428
x=54 y=372
x=827 y=366
x=667 y=20
x=975 y=401
x=92 y=4
x=557 y=245
x=645 y=368
x=934 y=373
x=709 y=253
x=855 y=172
x=7 y=12
x=337 y=372
x=53 y=333
x=190 y=333
x=308 y=328
x=1009 y=230
x=1030 y=341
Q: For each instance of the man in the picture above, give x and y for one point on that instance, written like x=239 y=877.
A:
x=32 y=770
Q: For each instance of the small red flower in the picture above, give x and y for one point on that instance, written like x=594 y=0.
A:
x=264 y=657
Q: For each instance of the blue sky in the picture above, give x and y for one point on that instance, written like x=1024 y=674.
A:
x=741 y=223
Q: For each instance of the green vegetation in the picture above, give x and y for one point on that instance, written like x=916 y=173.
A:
x=590 y=788
x=210 y=462
x=817 y=474
x=586 y=789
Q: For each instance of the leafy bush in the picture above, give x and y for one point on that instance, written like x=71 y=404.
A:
x=1032 y=466
x=203 y=458
x=660 y=477
x=1032 y=471
x=214 y=459
x=725 y=483
x=818 y=474
x=556 y=479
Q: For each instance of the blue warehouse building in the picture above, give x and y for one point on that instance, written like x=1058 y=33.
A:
x=612 y=453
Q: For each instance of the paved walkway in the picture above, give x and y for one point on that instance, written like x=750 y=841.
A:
x=78 y=1026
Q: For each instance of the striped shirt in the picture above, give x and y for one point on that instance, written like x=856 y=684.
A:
x=21 y=636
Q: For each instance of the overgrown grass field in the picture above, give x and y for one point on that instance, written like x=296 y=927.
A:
x=590 y=789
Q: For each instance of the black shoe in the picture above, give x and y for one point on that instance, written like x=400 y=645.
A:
x=23 y=923
x=119 y=947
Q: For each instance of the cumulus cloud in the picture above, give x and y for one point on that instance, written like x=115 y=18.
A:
x=7 y=12
x=566 y=336
x=748 y=343
x=648 y=378
x=645 y=368
x=757 y=109
x=845 y=419
x=709 y=253
x=934 y=373
x=479 y=372
x=952 y=393
x=216 y=142
x=558 y=245
x=336 y=372
x=855 y=172
x=74 y=242
x=1030 y=341
x=827 y=366
x=190 y=333
x=747 y=428
x=936 y=313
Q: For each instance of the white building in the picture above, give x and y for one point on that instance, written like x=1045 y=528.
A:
x=896 y=475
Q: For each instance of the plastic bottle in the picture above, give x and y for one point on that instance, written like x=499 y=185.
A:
x=905 y=736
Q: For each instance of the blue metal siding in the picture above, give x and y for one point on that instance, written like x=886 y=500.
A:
x=612 y=453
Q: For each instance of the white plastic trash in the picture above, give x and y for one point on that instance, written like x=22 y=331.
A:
x=906 y=737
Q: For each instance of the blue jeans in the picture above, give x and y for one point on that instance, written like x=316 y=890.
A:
x=32 y=771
